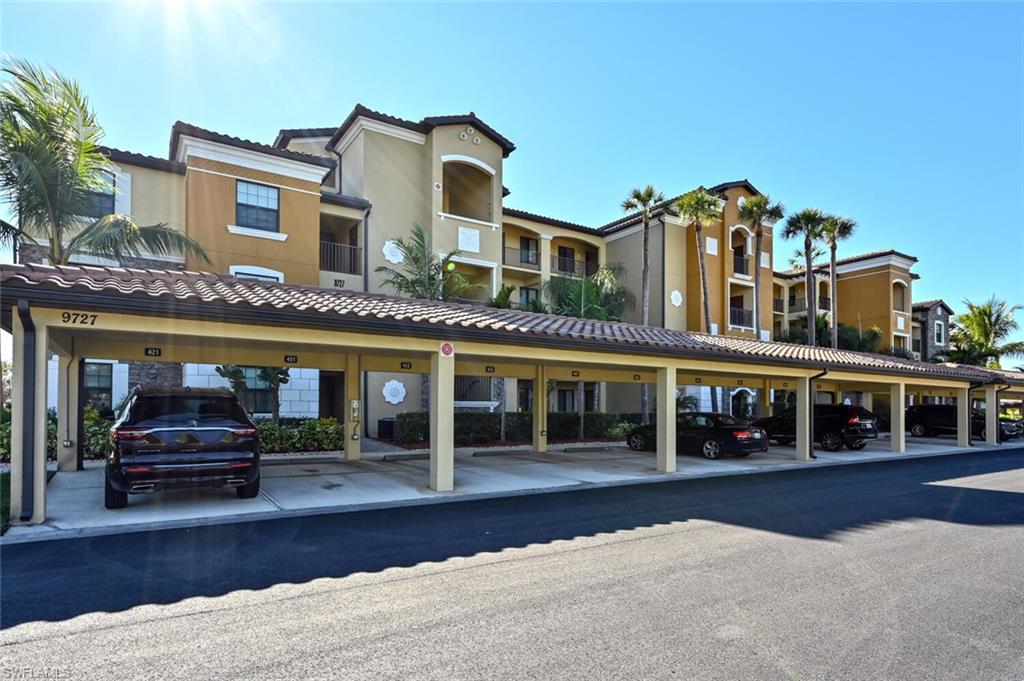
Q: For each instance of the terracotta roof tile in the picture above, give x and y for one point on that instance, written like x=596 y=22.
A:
x=202 y=294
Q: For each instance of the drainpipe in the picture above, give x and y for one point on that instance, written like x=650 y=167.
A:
x=366 y=249
x=812 y=396
x=28 y=416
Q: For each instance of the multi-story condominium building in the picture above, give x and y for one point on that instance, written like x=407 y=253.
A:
x=325 y=207
x=930 y=329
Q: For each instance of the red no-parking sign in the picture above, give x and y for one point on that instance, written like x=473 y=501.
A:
x=447 y=349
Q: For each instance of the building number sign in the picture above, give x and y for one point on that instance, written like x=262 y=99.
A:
x=80 y=318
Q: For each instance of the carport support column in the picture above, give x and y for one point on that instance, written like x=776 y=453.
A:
x=963 y=417
x=803 y=420
x=68 y=412
x=28 y=425
x=354 y=415
x=666 y=417
x=540 y=410
x=991 y=415
x=897 y=420
x=867 y=400
x=442 y=420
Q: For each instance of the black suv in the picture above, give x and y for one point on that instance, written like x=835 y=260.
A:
x=835 y=425
x=940 y=419
x=174 y=438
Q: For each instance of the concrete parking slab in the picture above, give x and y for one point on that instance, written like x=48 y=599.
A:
x=298 y=487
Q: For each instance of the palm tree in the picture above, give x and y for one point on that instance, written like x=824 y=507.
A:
x=796 y=261
x=644 y=200
x=836 y=228
x=984 y=327
x=503 y=299
x=756 y=211
x=51 y=169
x=422 y=273
x=808 y=223
x=700 y=207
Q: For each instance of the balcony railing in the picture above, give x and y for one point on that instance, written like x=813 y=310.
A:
x=797 y=305
x=778 y=305
x=824 y=303
x=572 y=268
x=520 y=257
x=472 y=388
x=341 y=258
x=740 y=317
x=741 y=264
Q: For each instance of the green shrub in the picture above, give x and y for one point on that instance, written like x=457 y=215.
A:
x=412 y=427
x=301 y=435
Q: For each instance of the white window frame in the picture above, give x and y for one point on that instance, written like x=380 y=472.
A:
x=939 y=335
x=255 y=272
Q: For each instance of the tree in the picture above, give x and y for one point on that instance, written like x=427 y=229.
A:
x=422 y=273
x=274 y=378
x=236 y=379
x=980 y=333
x=796 y=261
x=700 y=207
x=808 y=224
x=503 y=299
x=756 y=211
x=52 y=168
x=836 y=228
x=852 y=338
x=644 y=199
x=800 y=335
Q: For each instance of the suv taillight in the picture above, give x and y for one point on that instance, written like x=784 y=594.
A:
x=244 y=432
x=129 y=434
x=852 y=420
x=742 y=434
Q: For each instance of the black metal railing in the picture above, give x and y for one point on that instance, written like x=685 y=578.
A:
x=741 y=264
x=521 y=257
x=472 y=389
x=824 y=303
x=572 y=268
x=778 y=305
x=740 y=317
x=341 y=258
x=798 y=304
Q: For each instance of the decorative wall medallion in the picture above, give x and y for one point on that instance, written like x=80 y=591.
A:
x=469 y=240
x=437 y=186
x=677 y=298
x=476 y=140
x=392 y=253
x=394 y=392
x=740 y=201
x=470 y=130
x=463 y=136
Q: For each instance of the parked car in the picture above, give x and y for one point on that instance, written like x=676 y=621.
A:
x=941 y=419
x=835 y=425
x=173 y=438
x=711 y=435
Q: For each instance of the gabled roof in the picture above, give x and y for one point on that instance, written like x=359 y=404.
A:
x=180 y=128
x=198 y=295
x=666 y=205
x=545 y=220
x=790 y=273
x=286 y=135
x=424 y=125
x=925 y=305
x=134 y=159
x=344 y=200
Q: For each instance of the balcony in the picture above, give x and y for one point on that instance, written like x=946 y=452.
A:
x=824 y=303
x=740 y=317
x=341 y=258
x=568 y=267
x=520 y=257
x=778 y=305
x=741 y=264
x=797 y=305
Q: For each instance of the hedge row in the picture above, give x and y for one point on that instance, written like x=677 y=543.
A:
x=475 y=428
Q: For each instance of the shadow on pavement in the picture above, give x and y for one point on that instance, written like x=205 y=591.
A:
x=58 y=580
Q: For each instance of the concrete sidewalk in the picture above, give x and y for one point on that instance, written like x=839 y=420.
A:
x=294 y=487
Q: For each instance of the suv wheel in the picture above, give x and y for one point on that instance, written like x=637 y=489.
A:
x=248 y=491
x=637 y=442
x=832 y=441
x=917 y=430
x=113 y=498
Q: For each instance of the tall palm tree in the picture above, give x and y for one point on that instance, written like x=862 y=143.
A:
x=701 y=208
x=984 y=328
x=644 y=200
x=808 y=224
x=756 y=211
x=797 y=262
x=52 y=167
x=836 y=228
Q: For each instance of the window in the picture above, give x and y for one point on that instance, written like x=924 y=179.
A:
x=256 y=206
x=528 y=251
x=940 y=333
x=566 y=259
x=566 y=400
x=258 y=394
x=525 y=391
x=255 y=272
x=98 y=386
x=527 y=296
x=101 y=203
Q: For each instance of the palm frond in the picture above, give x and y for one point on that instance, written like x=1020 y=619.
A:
x=117 y=236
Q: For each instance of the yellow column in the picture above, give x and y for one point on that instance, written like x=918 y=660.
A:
x=963 y=417
x=897 y=413
x=354 y=404
x=867 y=400
x=803 y=420
x=666 y=399
x=442 y=420
x=68 y=412
x=991 y=415
x=540 y=410
x=545 y=259
x=766 y=400
x=20 y=455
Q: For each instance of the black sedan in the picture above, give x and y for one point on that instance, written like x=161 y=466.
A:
x=710 y=435
x=173 y=438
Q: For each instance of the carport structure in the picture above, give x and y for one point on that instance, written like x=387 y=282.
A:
x=173 y=316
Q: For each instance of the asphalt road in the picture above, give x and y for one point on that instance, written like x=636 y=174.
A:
x=894 y=570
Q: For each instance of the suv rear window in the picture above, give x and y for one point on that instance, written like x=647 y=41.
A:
x=174 y=409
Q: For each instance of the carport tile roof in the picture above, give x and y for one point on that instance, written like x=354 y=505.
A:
x=202 y=294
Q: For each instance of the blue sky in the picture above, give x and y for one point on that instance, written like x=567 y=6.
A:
x=907 y=117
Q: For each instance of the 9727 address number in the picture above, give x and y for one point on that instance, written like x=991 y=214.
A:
x=81 y=318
